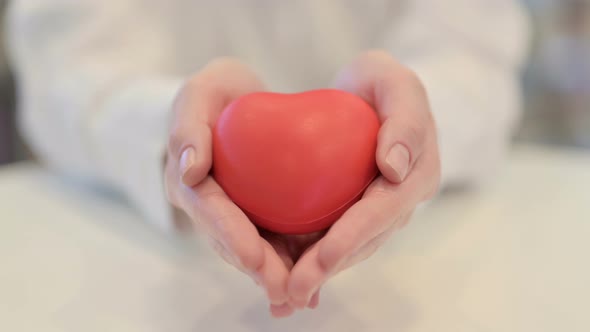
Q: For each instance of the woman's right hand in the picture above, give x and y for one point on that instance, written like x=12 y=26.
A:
x=190 y=187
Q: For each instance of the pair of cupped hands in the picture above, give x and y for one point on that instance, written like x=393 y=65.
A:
x=292 y=268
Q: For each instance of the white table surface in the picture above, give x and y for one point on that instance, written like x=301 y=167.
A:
x=513 y=257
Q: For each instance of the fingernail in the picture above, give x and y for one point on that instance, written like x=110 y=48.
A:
x=280 y=311
x=314 y=301
x=313 y=304
x=187 y=159
x=398 y=158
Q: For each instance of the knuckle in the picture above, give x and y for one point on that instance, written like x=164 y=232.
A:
x=186 y=95
x=196 y=134
x=201 y=82
x=367 y=251
x=225 y=62
x=249 y=261
x=374 y=62
x=415 y=133
x=386 y=130
x=216 y=245
x=413 y=79
x=220 y=250
x=211 y=77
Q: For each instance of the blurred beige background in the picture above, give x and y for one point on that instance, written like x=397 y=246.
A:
x=556 y=83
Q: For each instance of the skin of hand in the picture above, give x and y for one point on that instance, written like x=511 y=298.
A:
x=292 y=269
x=408 y=159
x=263 y=256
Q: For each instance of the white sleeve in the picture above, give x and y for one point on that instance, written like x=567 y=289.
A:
x=95 y=85
x=468 y=55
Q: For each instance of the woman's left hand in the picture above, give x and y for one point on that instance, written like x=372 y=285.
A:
x=408 y=159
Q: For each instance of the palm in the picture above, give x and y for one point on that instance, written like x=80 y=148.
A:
x=291 y=247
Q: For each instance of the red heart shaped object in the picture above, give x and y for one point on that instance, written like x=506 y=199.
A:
x=294 y=163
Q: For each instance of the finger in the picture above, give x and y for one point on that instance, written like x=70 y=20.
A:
x=281 y=311
x=315 y=300
x=299 y=243
x=371 y=247
x=306 y=278
x=384 y=204
x=196 y=109
x=366 y=219
x=401 y=103
x=310 y=273
x=273 y=275
x=224 y=254
x=208 y=205
x=281 y=248
x=237 y=240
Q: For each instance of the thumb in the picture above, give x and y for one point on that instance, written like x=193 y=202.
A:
x=189 y=143
x=400 y=101
x=400 y=143
x=196 y=110
x=194 y=161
